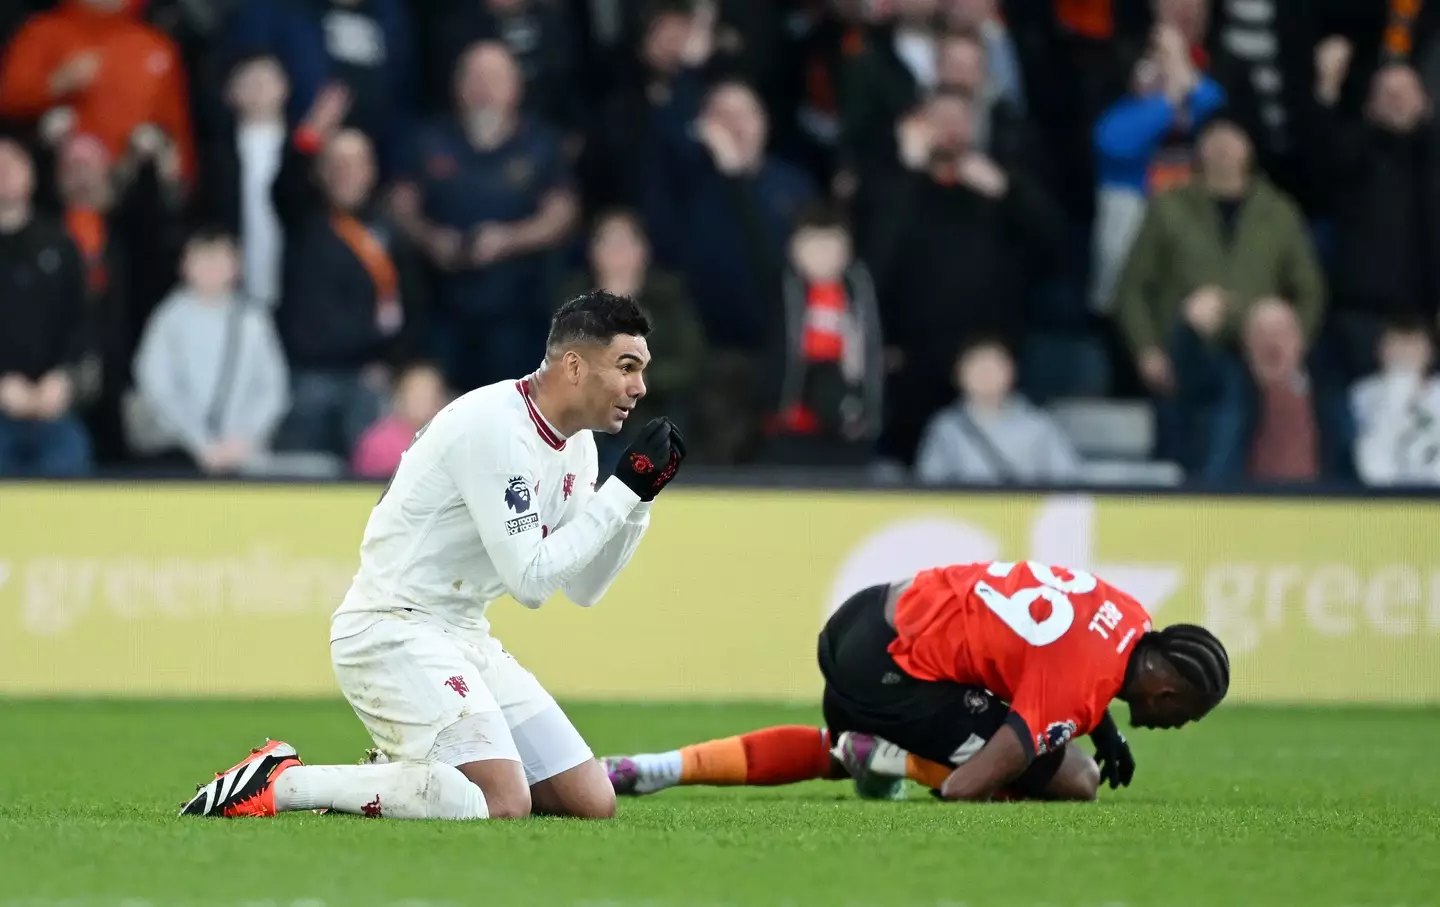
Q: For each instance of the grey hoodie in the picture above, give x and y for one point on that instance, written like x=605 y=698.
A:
x=1025 y=446
x=178 y=371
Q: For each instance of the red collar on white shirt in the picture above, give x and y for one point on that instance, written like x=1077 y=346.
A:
x=542 y=427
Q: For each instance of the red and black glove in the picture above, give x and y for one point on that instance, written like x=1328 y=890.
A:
x=652 y=459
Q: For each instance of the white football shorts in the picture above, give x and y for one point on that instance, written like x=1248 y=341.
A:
x=426 y=692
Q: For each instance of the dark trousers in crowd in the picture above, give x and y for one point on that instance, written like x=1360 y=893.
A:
x=329 y=411
x=38 y=448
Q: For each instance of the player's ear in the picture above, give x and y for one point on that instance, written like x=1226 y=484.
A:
x=574 y=365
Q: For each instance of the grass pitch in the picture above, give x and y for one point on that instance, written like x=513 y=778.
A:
x=1254 y=806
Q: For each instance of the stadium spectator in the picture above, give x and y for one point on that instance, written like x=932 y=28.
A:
x=1001 y=60
x=485 y=194
x=1264 y=56
x=241 y=164
x=42 y=332
x=829 y=353
x=992 y=435
x=1387 y=226
x=712 y=158
x=122 y=217
x=1263 y=417
x=1143 y=148
x=1229 y=236
x=420 y=393
x=362 y=45
x=1397 y=410
x=1001 y=129
x=961 y=241
x=541 y=39
x=895 y=69
x=352 y=308
x=97 y=66
x=617 y=159
x=210 y=376
x=619 y=262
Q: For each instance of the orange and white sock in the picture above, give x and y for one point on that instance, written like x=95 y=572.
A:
x=776 y=755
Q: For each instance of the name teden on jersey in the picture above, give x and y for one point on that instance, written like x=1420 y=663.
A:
x=517 y=498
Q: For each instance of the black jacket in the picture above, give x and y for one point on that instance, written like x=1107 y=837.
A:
x=42 y=301
x=326 y=317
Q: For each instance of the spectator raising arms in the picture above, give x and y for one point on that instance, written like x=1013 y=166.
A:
x=105 y=69
x=363 y=45
x=42 y=332
x=351 y=309
x=991 y=435
x=1143 y=147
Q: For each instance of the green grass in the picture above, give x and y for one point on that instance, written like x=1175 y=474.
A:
x=1272 y=807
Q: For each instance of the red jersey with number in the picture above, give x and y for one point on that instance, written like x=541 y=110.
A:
x=1054 y=643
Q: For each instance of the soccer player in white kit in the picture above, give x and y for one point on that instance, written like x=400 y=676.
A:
x=495 y=496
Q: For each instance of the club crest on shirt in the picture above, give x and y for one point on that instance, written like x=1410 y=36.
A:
x=976 y=701
x=1057 y=734
x=517 y=495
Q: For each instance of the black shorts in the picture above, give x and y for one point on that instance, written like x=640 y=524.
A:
x=866 y=691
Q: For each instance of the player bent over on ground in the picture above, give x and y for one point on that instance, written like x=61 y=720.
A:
x=971 y=680
x=496 y=495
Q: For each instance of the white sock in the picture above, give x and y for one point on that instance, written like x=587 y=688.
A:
x=398 y=790
x=659 y=770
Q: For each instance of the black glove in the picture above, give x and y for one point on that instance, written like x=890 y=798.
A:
x=652 y=459
x=1112 y=753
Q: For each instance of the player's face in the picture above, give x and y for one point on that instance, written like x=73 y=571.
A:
x=614 y=382
x=1164 y=710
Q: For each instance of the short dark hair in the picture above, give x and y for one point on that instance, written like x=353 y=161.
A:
x=822 y=214
x=619 y=212
x=209 y=235
x=985 y=341
x=596 y=317
x=247 y=57
x=1407 y=323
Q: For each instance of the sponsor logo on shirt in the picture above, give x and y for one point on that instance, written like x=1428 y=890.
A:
x=522 y=523
x=517 y=495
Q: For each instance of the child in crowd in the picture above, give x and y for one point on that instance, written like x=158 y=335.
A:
x=419 y=395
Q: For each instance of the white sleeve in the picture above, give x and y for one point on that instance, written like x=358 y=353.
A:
x=588 y=586
x=498 y=487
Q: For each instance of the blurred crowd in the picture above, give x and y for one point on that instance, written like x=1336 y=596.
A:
x=274 y=237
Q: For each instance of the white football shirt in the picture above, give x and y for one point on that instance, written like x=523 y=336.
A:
x=490 y=500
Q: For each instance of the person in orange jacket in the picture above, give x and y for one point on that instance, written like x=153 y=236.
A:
x=113 y=71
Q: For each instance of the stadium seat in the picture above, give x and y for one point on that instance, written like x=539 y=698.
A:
x=1107 y=429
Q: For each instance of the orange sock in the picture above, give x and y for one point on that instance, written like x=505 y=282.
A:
x=923 y=771
x=775 y=755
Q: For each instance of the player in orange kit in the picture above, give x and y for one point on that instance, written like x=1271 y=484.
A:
x=972 y=680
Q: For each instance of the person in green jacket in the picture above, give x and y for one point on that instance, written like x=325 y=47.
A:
x=1228 y=233
x=1221 y=244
